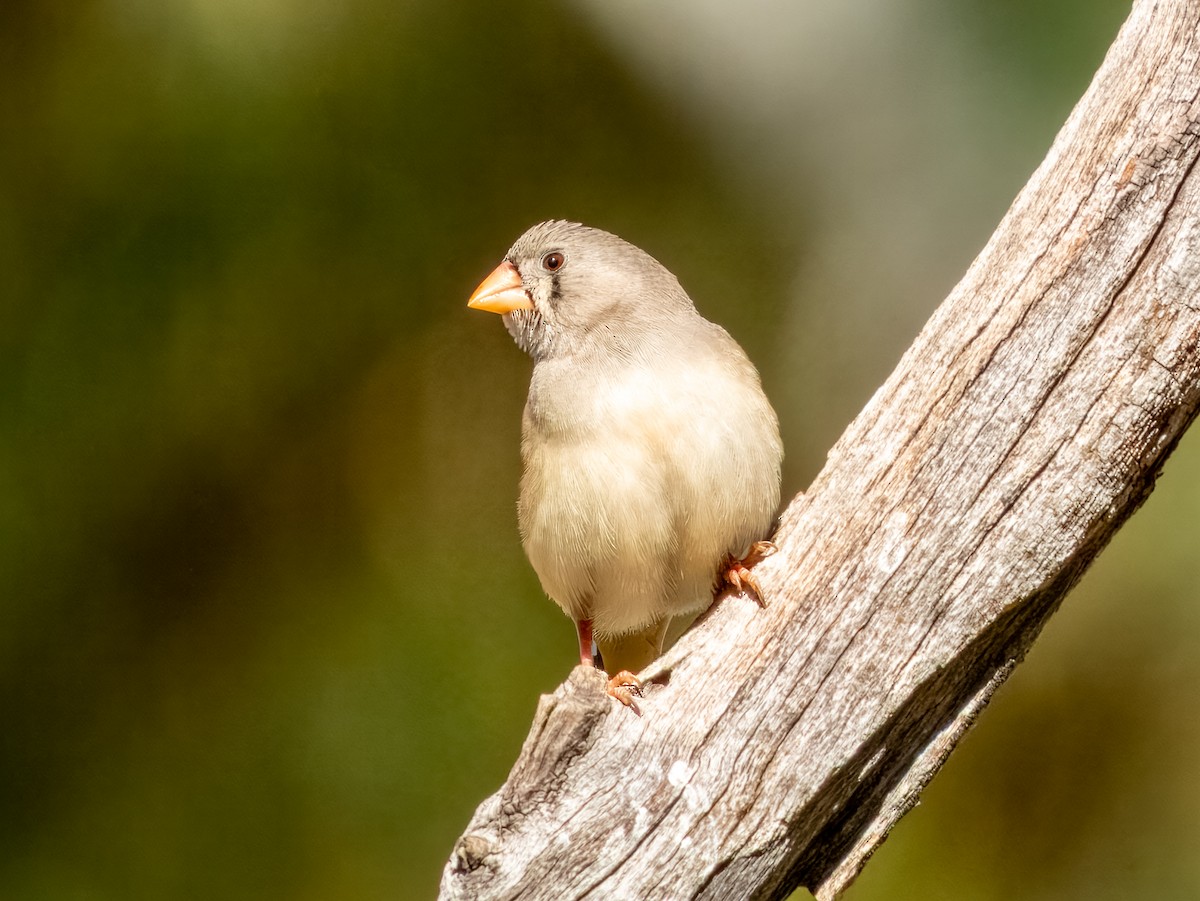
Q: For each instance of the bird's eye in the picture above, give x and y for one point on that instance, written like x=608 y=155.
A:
x=553 y=261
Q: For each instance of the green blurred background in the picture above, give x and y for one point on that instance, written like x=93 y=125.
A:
x=267 y=630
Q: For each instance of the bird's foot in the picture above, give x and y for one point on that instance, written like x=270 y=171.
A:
x=737 y=573
x=626 y=687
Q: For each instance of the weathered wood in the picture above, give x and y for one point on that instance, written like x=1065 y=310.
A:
x=1028 y=420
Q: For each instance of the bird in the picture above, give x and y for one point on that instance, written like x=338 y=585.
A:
x=650 y=454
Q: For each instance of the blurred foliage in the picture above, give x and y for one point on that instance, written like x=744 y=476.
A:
x=265 y=626
x=259 y=461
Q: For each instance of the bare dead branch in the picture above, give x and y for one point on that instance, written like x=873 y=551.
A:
x=1026 y=423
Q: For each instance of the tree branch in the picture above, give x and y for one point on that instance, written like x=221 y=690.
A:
x=1028 y=420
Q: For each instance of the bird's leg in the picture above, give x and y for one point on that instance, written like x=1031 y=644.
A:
x=584 y=628
x=736 y=573
x=624 y=685
x=630 y=653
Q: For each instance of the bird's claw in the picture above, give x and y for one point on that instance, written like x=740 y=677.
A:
x=737 y=573
x=625 y=687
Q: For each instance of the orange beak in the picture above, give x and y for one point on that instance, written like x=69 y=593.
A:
x=501 y=292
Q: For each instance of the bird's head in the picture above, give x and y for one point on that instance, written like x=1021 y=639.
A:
x=564 y=288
